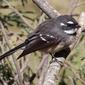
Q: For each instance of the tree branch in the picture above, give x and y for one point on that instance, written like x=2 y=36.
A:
x=73 y=4
x=52 y=74
x=46 y=8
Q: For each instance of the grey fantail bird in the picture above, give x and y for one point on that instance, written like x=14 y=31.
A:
x=50 y=36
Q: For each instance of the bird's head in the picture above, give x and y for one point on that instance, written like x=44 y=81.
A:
x=68 y=24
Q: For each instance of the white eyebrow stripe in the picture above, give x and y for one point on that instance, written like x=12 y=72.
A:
x=70 y=22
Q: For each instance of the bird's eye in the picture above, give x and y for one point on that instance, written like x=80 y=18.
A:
x=76 y=25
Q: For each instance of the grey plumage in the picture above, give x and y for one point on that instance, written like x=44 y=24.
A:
x=48 y=37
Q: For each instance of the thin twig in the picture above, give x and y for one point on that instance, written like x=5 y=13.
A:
x=73 y=5
x=52 y=73
x=18 y=13
x=44 y=65
x=46 y=8
x=80 y=4
x=16 y=65
x=25 y=65
x=42 y=18
x=69 y=66
x=40 y=69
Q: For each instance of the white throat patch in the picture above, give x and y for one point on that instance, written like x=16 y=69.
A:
x=72 y=31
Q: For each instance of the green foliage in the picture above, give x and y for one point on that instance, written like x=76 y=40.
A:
x=24 y=2
x=12 y=17
x=6 y=73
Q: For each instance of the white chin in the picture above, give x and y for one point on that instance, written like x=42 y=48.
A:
x=72 y=31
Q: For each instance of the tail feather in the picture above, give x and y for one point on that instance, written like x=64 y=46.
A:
x=8 y=53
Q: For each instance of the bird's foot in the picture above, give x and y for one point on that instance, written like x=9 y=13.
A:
x=58 y=60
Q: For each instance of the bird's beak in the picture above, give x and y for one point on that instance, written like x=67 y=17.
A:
x=78 y=26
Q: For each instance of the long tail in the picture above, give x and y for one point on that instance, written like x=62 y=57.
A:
x=8 y=53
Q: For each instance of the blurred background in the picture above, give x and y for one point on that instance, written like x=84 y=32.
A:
x=14 y=30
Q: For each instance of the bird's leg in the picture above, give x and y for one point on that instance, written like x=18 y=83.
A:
x=52 y=55
x=56 y=59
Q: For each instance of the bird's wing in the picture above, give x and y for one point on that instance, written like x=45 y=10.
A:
x=40 y=41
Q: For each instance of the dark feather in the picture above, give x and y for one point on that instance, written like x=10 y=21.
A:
x=49 y=33
x=8 y=53
x=38 y=44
